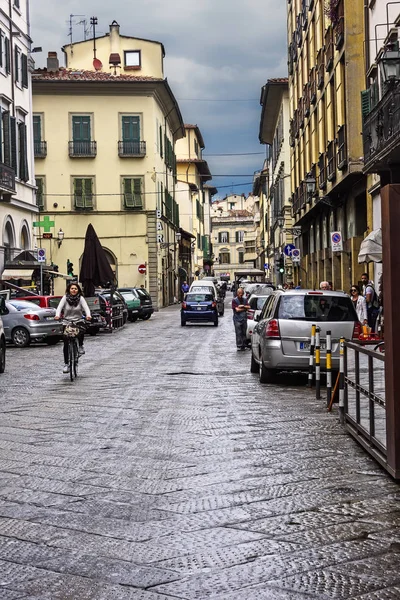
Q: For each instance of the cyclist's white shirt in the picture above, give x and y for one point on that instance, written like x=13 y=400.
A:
x=73 y=313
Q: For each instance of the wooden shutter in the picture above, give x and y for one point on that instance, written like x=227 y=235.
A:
x=137 y=192
x=24 y=70
x=161 y=142
x=365 y=103
x=39 y=192
x=23 y=152
x=1 y=132
x=78 y=193
x=7 y=55
x=1 y=47
x=81 y=128
x=16 y=63
x=13 y=132
x=88 y=192
x=7 y=138
x=131 y=129
x=128 y=193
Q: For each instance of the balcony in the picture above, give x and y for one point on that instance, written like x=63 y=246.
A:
x=85 y=149
x=341 y=148
x=381 y=133
x=40 y=149
x=7 y=181
x=127 y=149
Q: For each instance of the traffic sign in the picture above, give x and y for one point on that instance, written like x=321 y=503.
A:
x=41 y=255
x=295 y=255
x=336 y=241
x=288 y=249
x=142 y=269
x=266 y=266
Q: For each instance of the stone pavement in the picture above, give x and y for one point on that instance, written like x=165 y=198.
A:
x=167 y=471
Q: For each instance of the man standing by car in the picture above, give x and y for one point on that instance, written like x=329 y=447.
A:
x=184 y=289
x=240 y=308
x=371 y=298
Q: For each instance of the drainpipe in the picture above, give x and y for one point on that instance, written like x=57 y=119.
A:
x=367 y=48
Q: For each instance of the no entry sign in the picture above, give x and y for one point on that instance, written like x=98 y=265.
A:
x=142 y=269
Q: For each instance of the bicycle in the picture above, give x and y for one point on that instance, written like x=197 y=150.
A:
x=71 y=331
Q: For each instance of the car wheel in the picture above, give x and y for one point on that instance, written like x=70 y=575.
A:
x=146 y=317
x=20 y=337
x=94 y=330
x=216 y=323
x=254 y=368
x=2 y=357
x=265 y=375
x=134 y=318
x=183 y=322
x=52 y=341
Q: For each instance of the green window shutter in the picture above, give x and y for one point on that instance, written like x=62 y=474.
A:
x=7 y=137
x=128 y=194
x=81 y=128
x=23 y=152
x=137 y=192
x=13 y=132
x=88 y=192
x=39 y=193
x=16 y=63
x=78 y=193
x=130 y=129
x=24 y=70
x=37 y=129
x=7 y=55
x=161 y=142
x=365 y=103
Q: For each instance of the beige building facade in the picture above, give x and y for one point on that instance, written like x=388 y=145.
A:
x=108 y=126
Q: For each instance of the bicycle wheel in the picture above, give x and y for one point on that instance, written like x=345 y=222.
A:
x=76 y=358
x=71 y=359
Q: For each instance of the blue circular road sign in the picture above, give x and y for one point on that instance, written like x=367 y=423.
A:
x=288 y=249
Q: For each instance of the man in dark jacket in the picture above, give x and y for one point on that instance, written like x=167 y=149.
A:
x=240 y=308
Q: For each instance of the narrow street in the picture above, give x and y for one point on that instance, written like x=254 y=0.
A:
x=168 y=471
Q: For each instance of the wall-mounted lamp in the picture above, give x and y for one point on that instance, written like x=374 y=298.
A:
x=178 y=236
x=389 y=64
x=60 y=237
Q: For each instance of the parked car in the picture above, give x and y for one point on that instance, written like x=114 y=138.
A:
x=132 y=301
x=205 y=284
x=42 y=301
x=256 y=303
x=199 y=307
x=100 y=309
x=2 y=336
x=281 y=338
x=209 y=289
x=25 y=322
x=146 y=303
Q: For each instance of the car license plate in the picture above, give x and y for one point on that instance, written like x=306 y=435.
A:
x=199 y=308
x=49 y=318
x=306 y=345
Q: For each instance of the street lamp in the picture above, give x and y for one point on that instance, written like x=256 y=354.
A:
x=389 y=64
x=310 y=182
x=60 y=237
x=178 y=236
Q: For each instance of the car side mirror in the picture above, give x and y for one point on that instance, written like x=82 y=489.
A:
x=3 y=307
x=257 y=317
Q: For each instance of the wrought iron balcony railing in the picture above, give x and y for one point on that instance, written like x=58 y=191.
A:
x=7 y=179
x=127 y=149
x=40 y=149
x=82 y=149
x=381 y=132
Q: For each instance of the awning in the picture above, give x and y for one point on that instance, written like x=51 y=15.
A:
x=17 y=274
x=371 y=248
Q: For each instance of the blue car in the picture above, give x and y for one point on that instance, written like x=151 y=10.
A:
x=199 y=307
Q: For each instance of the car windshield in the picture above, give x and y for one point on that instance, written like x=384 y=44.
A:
x=202 y=289
x=128 y=296
x=54 y=302
x=142 y=293
x=258 y=303
x=199 y=298
x=316 y=308
x=24 y=305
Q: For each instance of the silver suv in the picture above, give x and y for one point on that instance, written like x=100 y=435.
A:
x=2 y=336
x=281 y=339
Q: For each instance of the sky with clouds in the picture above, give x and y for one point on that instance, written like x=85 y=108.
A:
x=219 y=53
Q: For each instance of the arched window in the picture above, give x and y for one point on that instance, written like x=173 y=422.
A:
x=8 y=238
x=224 y=256
x=25 y=237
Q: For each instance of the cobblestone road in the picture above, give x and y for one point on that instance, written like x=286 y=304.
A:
x=167 y=471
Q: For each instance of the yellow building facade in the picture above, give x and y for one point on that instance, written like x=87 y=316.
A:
x=326 y=76
x=108 y=126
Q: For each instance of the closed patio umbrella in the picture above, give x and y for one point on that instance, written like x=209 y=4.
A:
x=95 y=268
x=371 y=248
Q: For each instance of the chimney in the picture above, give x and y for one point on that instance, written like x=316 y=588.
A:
x=115 y=59
x=52 y=62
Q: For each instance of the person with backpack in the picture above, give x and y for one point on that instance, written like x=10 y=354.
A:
x=371 y=298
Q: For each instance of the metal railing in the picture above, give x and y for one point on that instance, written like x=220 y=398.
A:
x=40 y=149
x=131 y=149
x=364 y=402
x=82 y=149
x=7 y=178
x=381 y=129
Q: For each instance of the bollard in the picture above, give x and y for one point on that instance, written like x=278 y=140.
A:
x=311 y=362
x=341 y=382
x=317 y=363
x=328 y=367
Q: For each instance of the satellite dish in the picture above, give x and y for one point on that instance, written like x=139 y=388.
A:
x=98 y=65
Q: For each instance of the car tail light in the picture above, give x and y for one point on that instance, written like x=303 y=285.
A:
x=250 y=314
x=272 y=329
x=184 y=305
x=357 y=331
x=31 y=317
x=214 y=305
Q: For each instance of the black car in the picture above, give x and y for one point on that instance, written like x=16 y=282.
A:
x=146 y=304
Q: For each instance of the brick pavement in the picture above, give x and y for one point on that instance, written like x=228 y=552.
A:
x=167 y=471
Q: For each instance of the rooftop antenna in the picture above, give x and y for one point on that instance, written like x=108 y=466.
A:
x=94 y=22
x=71 y=25
x=85 y=28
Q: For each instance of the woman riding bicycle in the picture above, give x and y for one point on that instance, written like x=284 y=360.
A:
x=73 y=305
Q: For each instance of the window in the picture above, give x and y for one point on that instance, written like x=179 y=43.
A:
x=82 y=144
x=239 y=236
x=23 y=152
x=133 y=59
x=223 y=237
x=83 y=192
x=40 y=193
x=17 y=63
x=39 y=146
x=241 y=256
x=16 y=4
x=133 y=192
x=24 y=70
x=316 y=308
x=224 y=257
x=130 y=126
x=196 y=147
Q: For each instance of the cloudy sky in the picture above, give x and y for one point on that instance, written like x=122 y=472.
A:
x=219 y=53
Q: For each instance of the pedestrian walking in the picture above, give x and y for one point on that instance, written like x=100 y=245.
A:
x=359 y=304
x=371 y=298
x=240 y=308
x=184 y=289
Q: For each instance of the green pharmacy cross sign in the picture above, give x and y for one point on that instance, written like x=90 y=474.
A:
x=46 y=224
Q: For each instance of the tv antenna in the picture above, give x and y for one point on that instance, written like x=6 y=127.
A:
x=94 y=22
x=71 y=26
